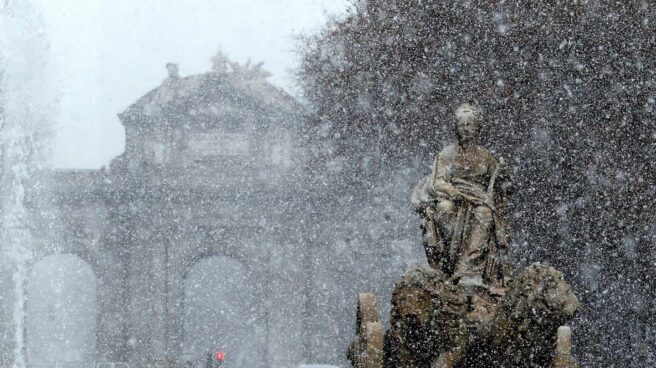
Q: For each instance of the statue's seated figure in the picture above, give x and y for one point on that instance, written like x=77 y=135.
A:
x=463 y=203
x=465 y=310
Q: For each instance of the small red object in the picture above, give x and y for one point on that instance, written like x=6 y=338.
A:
x=219 y=356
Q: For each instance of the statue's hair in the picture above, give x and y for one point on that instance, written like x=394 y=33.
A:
x=466 y=107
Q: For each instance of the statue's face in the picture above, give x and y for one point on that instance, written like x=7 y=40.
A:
x=467 y=126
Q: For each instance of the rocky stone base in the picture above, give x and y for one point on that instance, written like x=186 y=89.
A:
x=438 y=322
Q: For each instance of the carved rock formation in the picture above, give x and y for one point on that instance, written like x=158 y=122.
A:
x=437 y=323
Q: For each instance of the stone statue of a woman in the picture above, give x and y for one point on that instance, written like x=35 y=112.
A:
x=463 y=203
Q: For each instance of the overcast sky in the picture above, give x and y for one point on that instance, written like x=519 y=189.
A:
x=108 y=53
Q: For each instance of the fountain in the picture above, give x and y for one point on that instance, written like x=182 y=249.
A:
x=26 y=107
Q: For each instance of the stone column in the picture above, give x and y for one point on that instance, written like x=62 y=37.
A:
x=175 y=314
x=111 y=311
x=146 y=328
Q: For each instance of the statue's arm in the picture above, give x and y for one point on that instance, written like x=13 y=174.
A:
x=440 y=177
x=426 y=193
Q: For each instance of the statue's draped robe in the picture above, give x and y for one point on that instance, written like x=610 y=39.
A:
x=473 y=232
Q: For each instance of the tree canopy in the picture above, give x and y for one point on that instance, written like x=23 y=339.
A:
x=568 y=93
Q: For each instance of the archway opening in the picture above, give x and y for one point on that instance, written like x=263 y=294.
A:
x=61 y=313
x=7 y=302
x=220 y=313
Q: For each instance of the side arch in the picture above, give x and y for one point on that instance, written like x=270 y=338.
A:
x=61 y=311
x=7 y=302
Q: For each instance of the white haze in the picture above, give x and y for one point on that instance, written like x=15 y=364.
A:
x=108 y=53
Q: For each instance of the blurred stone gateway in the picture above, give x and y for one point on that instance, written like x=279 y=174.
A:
x=466 y=309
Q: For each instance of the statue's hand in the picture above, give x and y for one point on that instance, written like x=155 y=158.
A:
x=450 y=191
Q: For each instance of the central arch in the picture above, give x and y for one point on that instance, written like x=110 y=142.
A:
x=61 y=313
x=220 y=313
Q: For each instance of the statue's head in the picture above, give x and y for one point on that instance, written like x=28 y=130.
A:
x=467 y=123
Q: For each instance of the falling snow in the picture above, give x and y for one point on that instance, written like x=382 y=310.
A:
x=245 y=219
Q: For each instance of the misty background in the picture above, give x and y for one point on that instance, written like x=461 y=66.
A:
x=567 y=89
x=106 y=54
